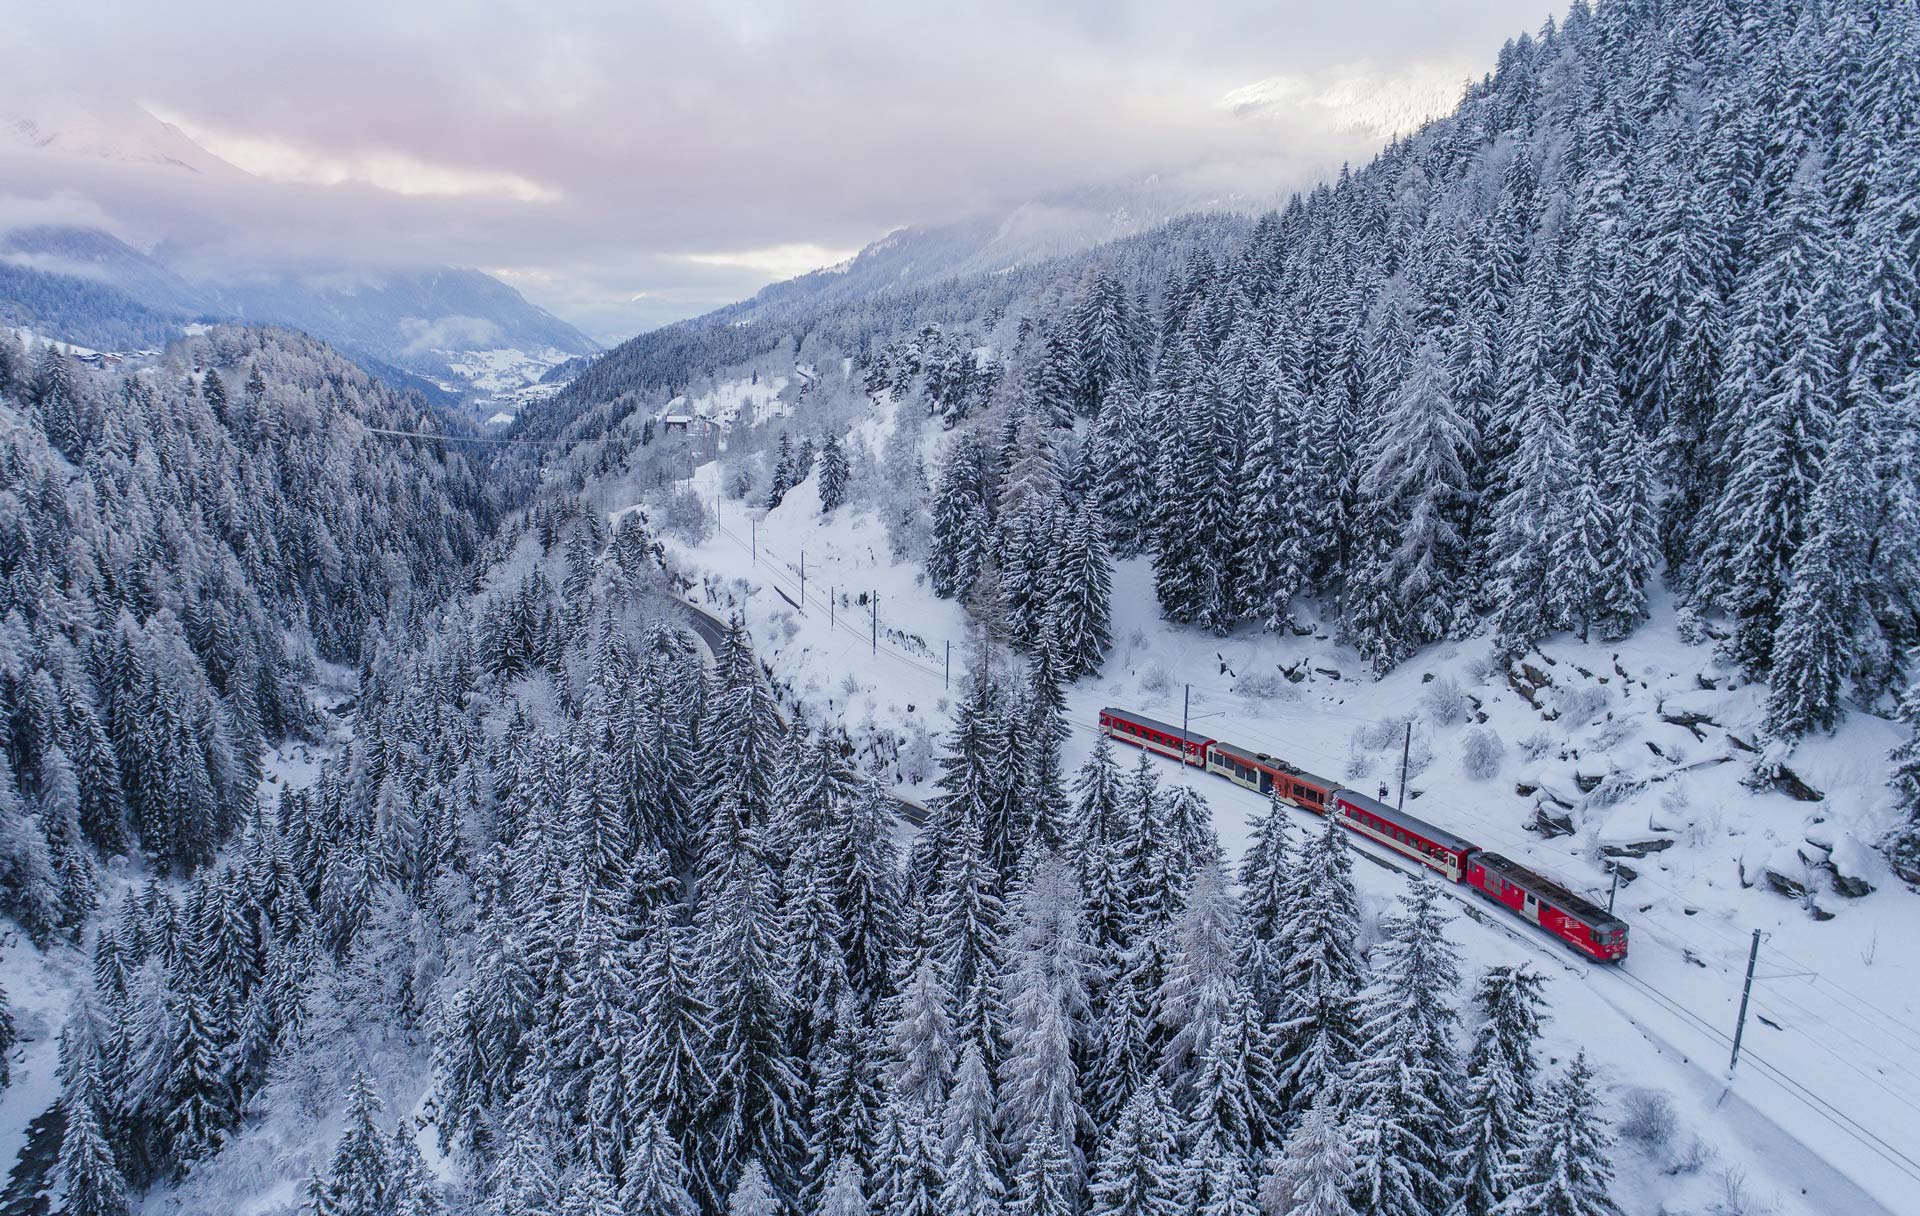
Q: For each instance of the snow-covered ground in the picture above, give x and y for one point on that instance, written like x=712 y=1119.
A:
x=1640 y=745
x=504 y=381
x=738 y=402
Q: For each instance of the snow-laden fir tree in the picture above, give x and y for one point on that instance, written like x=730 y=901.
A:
x=752 y=1193
x=1047 y=1028
x=834 y=471
x=920 y=1042
x=1138 y=1168
x=359 y=1182
x=1044 y=1179
x=968 y=928
x=1313 y=1175
x=1318 y=1023
x=1779 y=394
x=1404 y=592
x=1821 y=622
x=1195 y=999
x=909 y=1164
x=591 y=1193
x=1124 y=450
x=656 y=1176
x=1567 y=1168
x=753 y=1110
x=1081 y=604
x=972 y=1186
x=90 y=1176
x=844 y=1195
x=1266 y=875
x=1404 y=1101
x=1496 y=1111
x=1196 y=508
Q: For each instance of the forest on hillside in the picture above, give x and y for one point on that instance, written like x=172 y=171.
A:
x=1639 y=313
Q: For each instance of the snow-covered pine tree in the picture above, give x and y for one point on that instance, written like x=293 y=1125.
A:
x=1902 y=843
x=1197 y=502
x=1404 y=1102
x=1107 y=345
x=1195 y=1000
x=89 y=1174
x=1044 y=1182
x=909 y=1165
x=1081 y=605
x=1502 y=1075
x=920 y=1043
x=1138 y=1171
x=591 y=1193
x=753 y=1110
x=1053 y=380
x=967 y=931
x=1530 y=524
x=1567 y=1170
x=1271 y=521
x=752 y=1193
x=1047 y=1029
x=1818 y=635
x=1778 y=402
x=656 y=1177
x=1123 y=447
x=1313 y=1175
x=1405 y=594
x=844 y=1195
x=1317 y=1025
x=359 y=1182
x=834 y=471
x=972 y=1186
x=1217 y=1178
x=1266 y=875
x=781 y=477
x=962 y=529
x=843 y=1101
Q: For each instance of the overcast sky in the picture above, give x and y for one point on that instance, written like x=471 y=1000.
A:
x=627 y=163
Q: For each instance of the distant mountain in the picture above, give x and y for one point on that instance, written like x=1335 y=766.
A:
x=458 y=335
x=101 y=257
x=468 y=332
x=99 y=129
x=1054 y=226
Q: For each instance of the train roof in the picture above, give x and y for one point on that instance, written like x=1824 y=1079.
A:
x=1273 y=762
x=1551 y=891
x=1163 y=727
x=1414 y=823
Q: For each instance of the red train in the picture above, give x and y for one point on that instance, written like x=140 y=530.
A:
x=1588 y=928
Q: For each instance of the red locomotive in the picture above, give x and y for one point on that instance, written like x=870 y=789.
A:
x=1532 y=896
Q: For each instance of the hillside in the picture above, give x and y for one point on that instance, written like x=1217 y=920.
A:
x=693 y=798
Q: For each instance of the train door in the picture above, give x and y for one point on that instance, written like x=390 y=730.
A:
x=1266 y=780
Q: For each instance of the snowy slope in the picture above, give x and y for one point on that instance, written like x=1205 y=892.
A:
x=1829 y=1087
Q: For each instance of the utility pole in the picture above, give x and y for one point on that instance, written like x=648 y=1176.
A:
x=753 y=533
x=1406 y=751
x=876 y=624
x=949 y=676
x=832 y=623
x=1740 y=1027
x=1615 y=890
x=803 y=582
x=1186 y=705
